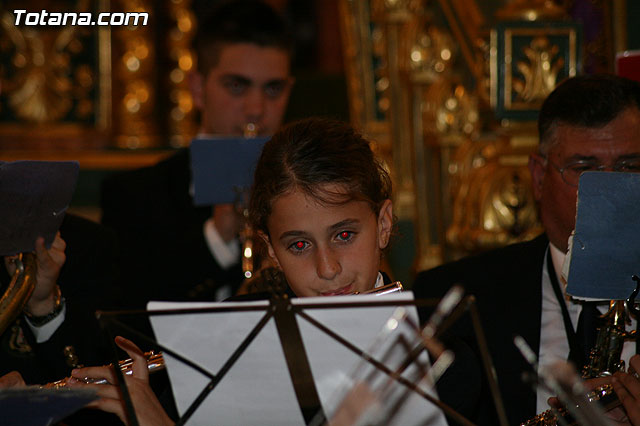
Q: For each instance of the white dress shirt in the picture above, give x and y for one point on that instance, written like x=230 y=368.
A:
x=554 y=343
x=45 y=331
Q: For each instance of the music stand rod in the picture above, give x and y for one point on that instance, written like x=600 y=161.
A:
x=130 y=411
x=380 y=366
x=297 y=360
x=225 y=368
x=486 y=360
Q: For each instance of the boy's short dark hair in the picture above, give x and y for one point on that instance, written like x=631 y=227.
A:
x=239 y=21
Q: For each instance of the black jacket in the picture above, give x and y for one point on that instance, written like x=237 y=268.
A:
x=507 y=284
x=85 y=281
x=164 y=253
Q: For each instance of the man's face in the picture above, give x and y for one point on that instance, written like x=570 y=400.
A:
x=616 y=142
x=250 y=84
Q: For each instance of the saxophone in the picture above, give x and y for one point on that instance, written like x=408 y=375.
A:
x=604 y=359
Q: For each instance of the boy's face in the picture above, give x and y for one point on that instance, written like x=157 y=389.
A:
x=327 y=250
x=249 y=84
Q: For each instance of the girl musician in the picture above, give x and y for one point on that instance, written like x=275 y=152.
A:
x=322 y=203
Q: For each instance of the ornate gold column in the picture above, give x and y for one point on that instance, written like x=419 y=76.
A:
x=134 y=71
x=182 y=115
x=393 y=16
x=411 y=69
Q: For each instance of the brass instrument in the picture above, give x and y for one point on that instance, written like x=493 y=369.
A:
x=604 y=360
x=250 y=130
x=248 y=256
x=385 y=289
x=155 y=362
x=19 y=290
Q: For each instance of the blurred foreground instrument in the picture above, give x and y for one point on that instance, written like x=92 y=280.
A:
x=19 y=290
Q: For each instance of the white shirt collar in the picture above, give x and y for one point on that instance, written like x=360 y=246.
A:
x=558 y=258
x=379 y=280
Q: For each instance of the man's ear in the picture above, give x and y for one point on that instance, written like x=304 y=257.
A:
x=537 y=168
x=197 y=82
x=385 y=224
x=270 y=250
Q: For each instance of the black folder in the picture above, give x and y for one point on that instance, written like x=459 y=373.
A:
x=33 y=406
x=222 y=168
x=606 y=245
x=34 y=196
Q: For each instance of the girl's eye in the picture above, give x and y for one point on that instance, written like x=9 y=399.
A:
x=345 y=235
x=299 y=245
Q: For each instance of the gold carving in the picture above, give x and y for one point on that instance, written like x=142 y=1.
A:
x=432 y=50
x=45 y=87
x=395 y=10
x=492 y=200
x=530 y=10
x=540 y=72
x=380 y=70
x=451 y=111
x=364 y=52
x=464 y=191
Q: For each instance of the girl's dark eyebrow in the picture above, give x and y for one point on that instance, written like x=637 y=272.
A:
x=293 y=233
x=343 y=223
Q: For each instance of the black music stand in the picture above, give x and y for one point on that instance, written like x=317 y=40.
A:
x=285 y=312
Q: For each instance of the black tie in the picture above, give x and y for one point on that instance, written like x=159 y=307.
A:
x=586 y=332
x=583 y=340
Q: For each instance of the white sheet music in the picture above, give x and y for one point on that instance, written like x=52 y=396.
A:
x=258 y=389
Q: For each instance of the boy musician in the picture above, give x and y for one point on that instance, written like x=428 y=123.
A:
x=172 y=249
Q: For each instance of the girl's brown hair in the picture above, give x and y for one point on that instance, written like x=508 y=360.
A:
x=310 y=153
